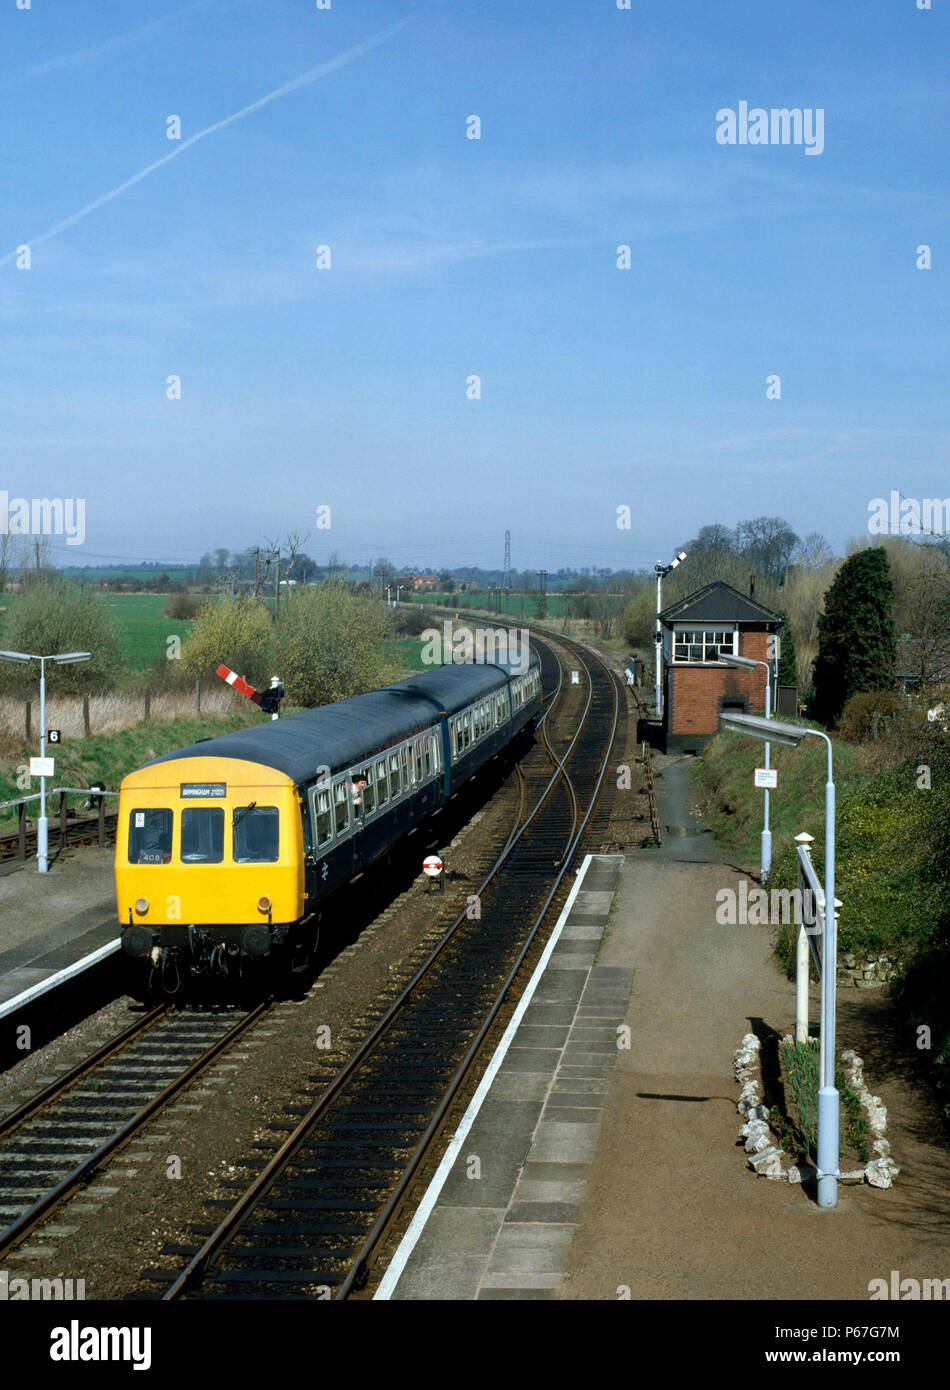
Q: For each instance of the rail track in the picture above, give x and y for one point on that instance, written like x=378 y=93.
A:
x=58 y=1140
x=309 y=1222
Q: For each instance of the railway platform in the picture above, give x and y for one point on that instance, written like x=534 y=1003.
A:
x=600 y=1171
x=49 y=923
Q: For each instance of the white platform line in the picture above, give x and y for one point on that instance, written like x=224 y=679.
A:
x=408 y=1243
x=61 y=976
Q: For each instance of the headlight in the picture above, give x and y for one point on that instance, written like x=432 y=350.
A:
x=141 y=906
x=264 y=904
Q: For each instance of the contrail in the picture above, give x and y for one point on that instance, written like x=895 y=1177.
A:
x=313 y=75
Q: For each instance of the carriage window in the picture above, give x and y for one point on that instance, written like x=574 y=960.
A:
x=256 y=835
x=150 y=836
x=420 y=765
x=324 y=819
x=395 y=786
x=369 y=791
x=428 y=746
x=341 y=806
x=382 y=786
x=406 y=758
x=202 y=835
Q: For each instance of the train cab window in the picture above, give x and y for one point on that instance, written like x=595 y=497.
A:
x=382 y=784
x=369 y=792
x=341 y=806
x=256 y=835
x=150 y=836
x=395 y=786
x=321 y=802
x=202 y=835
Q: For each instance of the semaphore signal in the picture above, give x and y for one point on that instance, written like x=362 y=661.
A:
x=269 y=700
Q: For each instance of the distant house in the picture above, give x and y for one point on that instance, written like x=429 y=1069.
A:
x=422 y=583
x=696 y=689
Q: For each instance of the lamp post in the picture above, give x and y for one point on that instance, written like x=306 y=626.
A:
x=61 y=659
x=776 y=731
x=765 y=851
x=661 y=571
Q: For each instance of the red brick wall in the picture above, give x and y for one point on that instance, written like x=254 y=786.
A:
x=693 y=692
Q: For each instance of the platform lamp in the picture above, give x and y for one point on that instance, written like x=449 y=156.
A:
x=661 y=571
x=765 y=852
x=61 y=659
x=777 y=731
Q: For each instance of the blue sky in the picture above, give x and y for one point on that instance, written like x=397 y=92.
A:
x=451 y=257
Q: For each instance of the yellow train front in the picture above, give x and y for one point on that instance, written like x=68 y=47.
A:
x=209 y=860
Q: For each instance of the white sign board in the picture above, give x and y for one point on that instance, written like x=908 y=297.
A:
x=575 y=678
x=766 y=777
x=41 y=767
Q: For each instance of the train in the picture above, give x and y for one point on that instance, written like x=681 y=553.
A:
x=227 y=850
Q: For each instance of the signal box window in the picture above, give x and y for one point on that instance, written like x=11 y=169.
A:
x=150 y=836
x=256 y=835
x=202 y=835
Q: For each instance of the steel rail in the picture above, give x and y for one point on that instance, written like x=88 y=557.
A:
x=86 y=1170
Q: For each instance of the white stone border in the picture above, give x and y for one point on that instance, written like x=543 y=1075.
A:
x=766 y=1159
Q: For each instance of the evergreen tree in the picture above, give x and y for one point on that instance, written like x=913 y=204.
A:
x=787 y=670
x=856 y=646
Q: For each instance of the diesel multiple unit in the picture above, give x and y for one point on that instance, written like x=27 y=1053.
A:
x=227 y=849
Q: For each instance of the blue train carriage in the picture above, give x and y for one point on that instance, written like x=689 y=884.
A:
x=227 y=848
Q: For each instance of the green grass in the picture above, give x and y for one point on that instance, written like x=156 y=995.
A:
x=145 y=632
x=892 y=904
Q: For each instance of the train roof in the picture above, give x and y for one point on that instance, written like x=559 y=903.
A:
x=341 y=734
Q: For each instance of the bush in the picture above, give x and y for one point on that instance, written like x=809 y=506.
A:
x=864 y=716
x=53 y=616
x=236 y=631
x=181 y=605
x=410 y=622
x=329 y=645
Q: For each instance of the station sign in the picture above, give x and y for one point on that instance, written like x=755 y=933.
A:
x=766 y=777
x=41 y=767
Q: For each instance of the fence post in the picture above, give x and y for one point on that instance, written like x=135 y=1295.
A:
x=198 y=696
x=21 y=831
x=62 y=820
x=148 y=704
x=102 y=821
x=85 y=714
x=29 y=728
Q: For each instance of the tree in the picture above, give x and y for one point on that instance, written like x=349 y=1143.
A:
x=787 y=673
x=53 y=616
x=856 y=647
x=329 y=645
x=236 y=631
x=767 y=543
